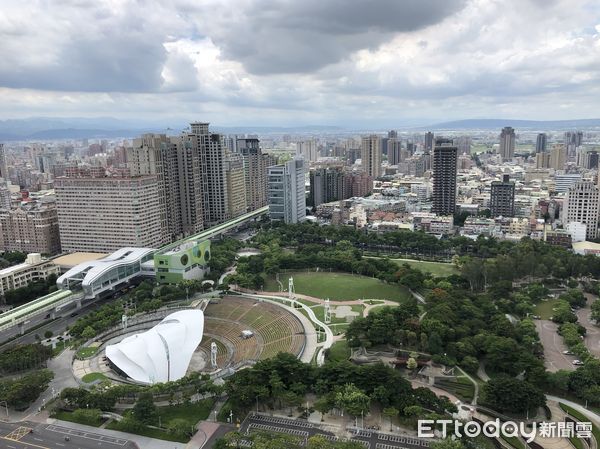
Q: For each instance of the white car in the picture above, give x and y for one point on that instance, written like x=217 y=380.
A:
x=577 y=362
x=567 y=352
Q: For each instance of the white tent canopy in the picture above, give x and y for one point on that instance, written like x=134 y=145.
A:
x=162 y=353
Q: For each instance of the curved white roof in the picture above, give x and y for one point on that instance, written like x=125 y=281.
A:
x=162 y=353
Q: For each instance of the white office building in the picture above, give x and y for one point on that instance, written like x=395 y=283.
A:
x=287 y=192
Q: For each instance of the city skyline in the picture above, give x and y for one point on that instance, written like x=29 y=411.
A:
x=253 y=62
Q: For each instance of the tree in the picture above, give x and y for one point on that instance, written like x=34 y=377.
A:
x=144 y=409
x=448 y=443
x=411 y=364
x=88 y=333
x=48 y=334
x=323 y=405
x=596 y=311
x=390 y=413
x=505 y=393
x=353 y=400
x=179 y=427
x=470 y=364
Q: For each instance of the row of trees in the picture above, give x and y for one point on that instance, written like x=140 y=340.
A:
x=24 y=357
x=20 y=393
x=30 y=292
x=179 y=390
x=144 y=298
x=284 y=381
x=10 y=258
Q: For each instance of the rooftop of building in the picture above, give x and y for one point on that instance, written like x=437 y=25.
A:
x=73 y=259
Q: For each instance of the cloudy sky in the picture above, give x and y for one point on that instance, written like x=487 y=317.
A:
x=296 y=62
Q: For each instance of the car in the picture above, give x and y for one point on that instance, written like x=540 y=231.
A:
x=577 y=362
x=47 y=316
x=536 y=317
x=567 y=352
x=74 y=314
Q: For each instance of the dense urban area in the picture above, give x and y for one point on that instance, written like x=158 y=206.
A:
x=324 y=289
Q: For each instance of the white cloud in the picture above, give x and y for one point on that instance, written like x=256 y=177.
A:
x=230 y=62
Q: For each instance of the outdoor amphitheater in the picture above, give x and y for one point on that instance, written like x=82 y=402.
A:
x=275 y=329
x=245 y=330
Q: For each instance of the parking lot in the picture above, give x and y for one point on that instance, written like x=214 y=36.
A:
x=370 y=439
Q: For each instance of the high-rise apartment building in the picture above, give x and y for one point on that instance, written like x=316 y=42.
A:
x=103 y=214
x=428 y=145
x=507 y=143
x=371 y=155
x=255 y=172
x=445 y=159
x=286 y=191
x=574 y=138
x=326 y=185
x=558 y=157
x=236 y=184
x=211 y=152
x=502 y=198
x=582 y=206
x=308 y=149
x=394 y=152
x=31 y=228
x=541 y=143
x=542 y=160
x=3 y=167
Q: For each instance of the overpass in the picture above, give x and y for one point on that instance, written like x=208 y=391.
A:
x=218 y=229
x=50 y=302
x=88 y=280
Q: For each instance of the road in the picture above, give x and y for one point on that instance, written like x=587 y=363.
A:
x=57 y=326
x=553 y=347
x=592 y=338
x=45 y=436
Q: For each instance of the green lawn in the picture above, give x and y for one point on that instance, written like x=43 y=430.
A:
x=514 y=442
x=544 y=308
x=147 y=432
x=581 y=417
x=339 y=351
x=437 y=269
x=92 y=377
x=341 y=286
x=86 y=352
x=462 y=387
x=68 y=416
x=192 y=412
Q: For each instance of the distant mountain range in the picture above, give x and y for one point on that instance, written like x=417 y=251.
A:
x=45 y=128
x=494 y=123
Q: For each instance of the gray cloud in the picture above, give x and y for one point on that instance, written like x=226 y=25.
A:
x=84 y=46
x=290 y=36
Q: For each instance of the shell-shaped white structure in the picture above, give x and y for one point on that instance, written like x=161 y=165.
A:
x=162 y=353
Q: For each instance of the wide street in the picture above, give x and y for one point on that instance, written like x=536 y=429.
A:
x=28 y=435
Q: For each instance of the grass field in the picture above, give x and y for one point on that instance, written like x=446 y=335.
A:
x=86 y=352
x=462 y=387
x=339 y=351
x=91 y=377
x=192 y=412
x=544 y=309
x=340 y=286
x=438 y=269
